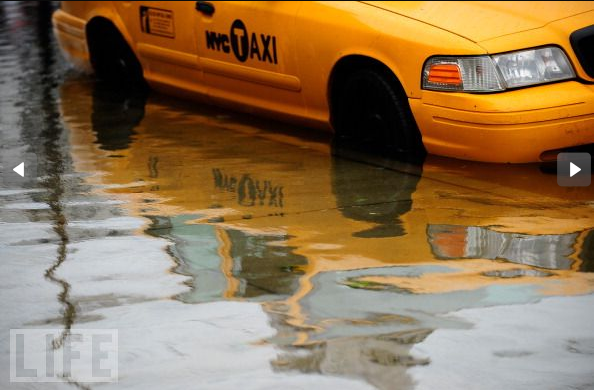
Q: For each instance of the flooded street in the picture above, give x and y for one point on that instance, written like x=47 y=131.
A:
x=235 y=252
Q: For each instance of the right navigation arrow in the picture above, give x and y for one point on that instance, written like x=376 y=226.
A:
x=573 y=169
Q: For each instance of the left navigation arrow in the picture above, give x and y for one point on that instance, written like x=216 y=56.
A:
x=20 y=169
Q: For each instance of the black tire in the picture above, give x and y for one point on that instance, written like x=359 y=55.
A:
x=112 y=58
x=371 y=111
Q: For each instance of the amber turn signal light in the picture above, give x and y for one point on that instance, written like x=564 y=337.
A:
x=445 y=74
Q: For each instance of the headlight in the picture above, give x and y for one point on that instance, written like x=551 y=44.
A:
x=536 y=66
x=497 y=72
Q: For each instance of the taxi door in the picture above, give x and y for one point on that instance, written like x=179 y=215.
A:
x=165 y=43
x=246 y=51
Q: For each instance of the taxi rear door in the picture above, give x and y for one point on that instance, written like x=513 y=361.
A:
x=165 y=43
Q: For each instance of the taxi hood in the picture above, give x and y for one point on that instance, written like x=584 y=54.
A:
x=480 y=21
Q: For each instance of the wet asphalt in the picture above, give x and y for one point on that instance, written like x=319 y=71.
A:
x=236 y=252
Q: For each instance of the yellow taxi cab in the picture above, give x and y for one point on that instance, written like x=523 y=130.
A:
x=486 y=81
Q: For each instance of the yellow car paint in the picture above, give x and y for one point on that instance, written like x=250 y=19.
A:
x=284 y=53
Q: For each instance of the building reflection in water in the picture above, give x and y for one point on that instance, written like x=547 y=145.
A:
x=229 y=263
x=351 y=274
x=586 y=256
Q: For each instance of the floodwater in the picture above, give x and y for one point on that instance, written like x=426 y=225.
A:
x=234 y=252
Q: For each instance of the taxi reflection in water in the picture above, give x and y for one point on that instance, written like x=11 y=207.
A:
x=350 y=259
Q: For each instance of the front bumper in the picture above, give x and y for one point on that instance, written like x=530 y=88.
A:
x=513 y=126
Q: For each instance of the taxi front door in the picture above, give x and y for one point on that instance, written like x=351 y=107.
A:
x=246 y=51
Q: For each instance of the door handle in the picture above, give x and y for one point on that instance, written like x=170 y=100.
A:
x=205 y=7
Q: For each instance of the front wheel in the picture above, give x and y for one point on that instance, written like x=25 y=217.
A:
x=371 y=111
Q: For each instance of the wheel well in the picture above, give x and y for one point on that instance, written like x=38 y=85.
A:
x=347 y=66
